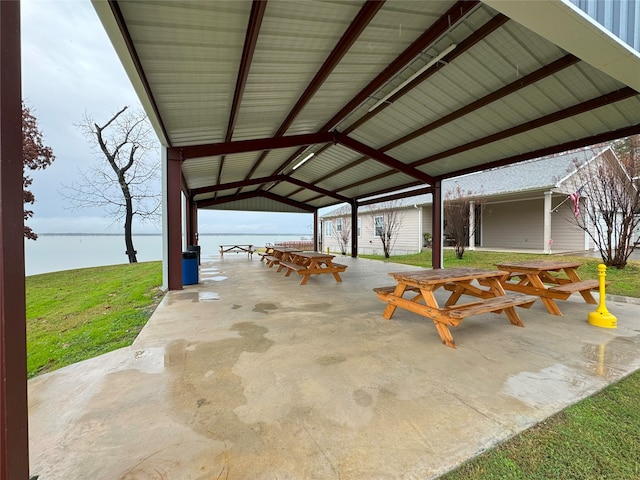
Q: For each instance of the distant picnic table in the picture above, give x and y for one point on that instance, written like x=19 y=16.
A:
x=237 y=249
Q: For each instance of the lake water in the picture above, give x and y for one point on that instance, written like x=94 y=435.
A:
x=52 y=253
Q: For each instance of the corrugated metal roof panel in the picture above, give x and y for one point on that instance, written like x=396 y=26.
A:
x=295 y=39
x=190 y=56
x=390 y=32
x=203 y=44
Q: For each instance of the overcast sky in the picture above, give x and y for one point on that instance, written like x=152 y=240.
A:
x=69 y=68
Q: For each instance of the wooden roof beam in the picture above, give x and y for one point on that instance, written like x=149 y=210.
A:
x=352 y=33
x=242 y=183
x=383 y=158
x=251 y=39
x=574 y=110
x=457 y=12
x=478 y=35
x=243 y=146
x=254 y=194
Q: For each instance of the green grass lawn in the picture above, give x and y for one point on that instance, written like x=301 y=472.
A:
x=596 y=439
x=78 y=314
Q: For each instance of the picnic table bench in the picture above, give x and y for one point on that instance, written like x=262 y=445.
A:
x=423 y=284
x=543 y=279
x=312 y=263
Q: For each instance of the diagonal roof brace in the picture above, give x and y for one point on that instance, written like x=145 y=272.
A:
x=310 y=186
x=255 y=194
x=383 y=158
x=244 y=146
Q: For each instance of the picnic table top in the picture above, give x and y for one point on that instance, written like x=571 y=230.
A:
x=444 y=275
x=537 y=265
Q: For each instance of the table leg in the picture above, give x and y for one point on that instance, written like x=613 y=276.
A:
x=574 y=277
x=513 y=316
x=549 y=303
x=455 y=295
x=390 y=309
x=445 y=334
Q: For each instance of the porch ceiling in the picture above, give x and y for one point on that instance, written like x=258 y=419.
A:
x=388 y=95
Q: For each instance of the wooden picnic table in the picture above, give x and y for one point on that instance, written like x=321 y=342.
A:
x=487 y=289
x=312 y=263
x=543 y=279
x=237 y=249
x=274 y=255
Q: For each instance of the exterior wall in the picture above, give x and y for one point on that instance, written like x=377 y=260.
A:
x=427 y=219
x=520 y=224
x=509 y=224
x=514 y=224
x=620 y=17
x=406 y=242
x=566 y=235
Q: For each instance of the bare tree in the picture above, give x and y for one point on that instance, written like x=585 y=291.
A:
x=342 y=233
x=35 y=156
x=610 y=211
x=628 y=152
x=126 y=185
x=457 y=204
x=387 y=222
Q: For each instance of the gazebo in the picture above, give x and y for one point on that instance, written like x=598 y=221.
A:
x=295 y=106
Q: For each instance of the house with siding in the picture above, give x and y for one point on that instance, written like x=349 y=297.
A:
x=520 y=206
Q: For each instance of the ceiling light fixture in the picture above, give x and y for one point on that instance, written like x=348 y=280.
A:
x=431 y=63
x=304 y=160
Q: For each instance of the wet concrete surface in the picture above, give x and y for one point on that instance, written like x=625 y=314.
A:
x=250 y=375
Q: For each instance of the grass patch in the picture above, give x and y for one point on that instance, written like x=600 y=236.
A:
x=79 y=314
x=596 y=438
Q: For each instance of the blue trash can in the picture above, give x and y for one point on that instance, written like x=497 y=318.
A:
x=189 y=268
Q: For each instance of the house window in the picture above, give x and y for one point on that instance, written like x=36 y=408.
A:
x=329 y=232
x=339 y=224
x=379 y=223
x=359 y=226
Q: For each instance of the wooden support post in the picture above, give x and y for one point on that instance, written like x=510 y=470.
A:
x=14 y=432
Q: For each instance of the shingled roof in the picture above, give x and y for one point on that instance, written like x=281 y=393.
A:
x=538 y=174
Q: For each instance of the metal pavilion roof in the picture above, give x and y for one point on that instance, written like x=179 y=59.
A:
x=386 y=95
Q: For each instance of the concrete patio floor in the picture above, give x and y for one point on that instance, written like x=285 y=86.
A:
x=250 y=375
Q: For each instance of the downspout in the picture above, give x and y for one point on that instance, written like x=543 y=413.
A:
x=354 y=228
x=472 y=225
x=315 y=232
x=437 y=258
x=546 y=232
x=420 y=227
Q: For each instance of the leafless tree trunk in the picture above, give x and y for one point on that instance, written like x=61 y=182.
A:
x=387 y=222
x=343 y=234
x=126 y=185
x=610 y=210
x=456 y=218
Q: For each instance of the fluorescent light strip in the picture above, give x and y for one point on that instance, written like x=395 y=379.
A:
x=431 y=63
x=304 y=160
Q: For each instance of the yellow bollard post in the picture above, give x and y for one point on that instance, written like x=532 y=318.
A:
x=601 y=316
x=327 y=250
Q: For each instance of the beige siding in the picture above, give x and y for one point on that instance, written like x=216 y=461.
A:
x=517 y=224
x=566 y=235
x=511 y=224
x=407 y=240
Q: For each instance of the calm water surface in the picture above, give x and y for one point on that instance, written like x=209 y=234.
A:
x=52 y=253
